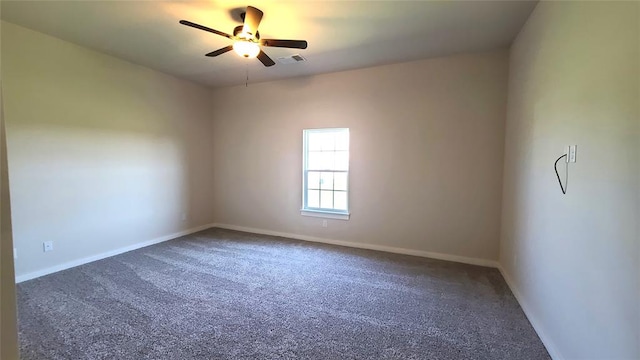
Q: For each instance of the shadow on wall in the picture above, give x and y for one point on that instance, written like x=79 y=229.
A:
x=8 y=329
x=103 y=154
x=96 y=179
x=90 y=190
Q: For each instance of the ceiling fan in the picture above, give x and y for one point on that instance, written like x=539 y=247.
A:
x=247 y=42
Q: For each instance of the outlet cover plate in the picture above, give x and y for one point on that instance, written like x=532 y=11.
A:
x=47 y=246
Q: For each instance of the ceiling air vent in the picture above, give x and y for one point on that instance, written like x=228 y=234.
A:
x=291 y=59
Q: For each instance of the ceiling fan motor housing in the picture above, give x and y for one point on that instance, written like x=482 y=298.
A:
x=238 y=30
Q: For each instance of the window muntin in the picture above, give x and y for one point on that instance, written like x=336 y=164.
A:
x=326 y=170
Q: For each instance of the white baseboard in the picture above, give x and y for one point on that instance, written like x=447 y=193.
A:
x=537 y=326
x=546 y=340
x=78 y=262
x=391 y=249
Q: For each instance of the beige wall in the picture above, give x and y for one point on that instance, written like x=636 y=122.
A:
x=574 y=259
x=426 y=153
x=103 y=154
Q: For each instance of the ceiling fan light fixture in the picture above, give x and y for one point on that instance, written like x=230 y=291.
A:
x=246 y=49
x=246 y=38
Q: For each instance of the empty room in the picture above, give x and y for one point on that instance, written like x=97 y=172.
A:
x=320 y=180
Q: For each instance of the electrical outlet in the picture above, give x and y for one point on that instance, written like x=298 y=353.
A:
x=325 y=223
x=184 y=216
x=47 y=246
x=15 y=253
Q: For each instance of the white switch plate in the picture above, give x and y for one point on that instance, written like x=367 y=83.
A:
x=184 y=216
x=15 y=253
x=324 y=223
x=572 y=153
x=47 y=246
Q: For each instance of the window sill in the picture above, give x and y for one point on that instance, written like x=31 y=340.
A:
x=325 y=214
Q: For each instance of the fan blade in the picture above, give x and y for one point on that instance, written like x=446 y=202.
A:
x=252 y=19
x=265 y=59
x=197 y=26
x=220 y=51
x=293 y=44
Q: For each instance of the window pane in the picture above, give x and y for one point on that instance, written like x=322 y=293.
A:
x=328 y=141
x=313 y=198
x=341 y=160
x=340 y=200
x=313 y=180
x=321 y=140
x=314 y=141
x=326 y=199
x=342 y=140
x=313 y=160
x=340 y=181
x=326 y=161
x=320 y=160
x=326 y=181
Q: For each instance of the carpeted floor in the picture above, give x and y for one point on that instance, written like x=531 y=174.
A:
x=221 y=294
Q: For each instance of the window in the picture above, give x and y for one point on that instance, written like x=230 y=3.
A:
x=325 y=179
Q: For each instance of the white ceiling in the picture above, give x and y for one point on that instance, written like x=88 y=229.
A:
x=341 y=34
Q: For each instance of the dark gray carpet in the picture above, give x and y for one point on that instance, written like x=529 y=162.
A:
x=222 y=294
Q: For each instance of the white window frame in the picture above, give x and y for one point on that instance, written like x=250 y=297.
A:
x=321 y=212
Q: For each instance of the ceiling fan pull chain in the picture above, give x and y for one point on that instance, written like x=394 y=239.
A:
x=246 y=84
